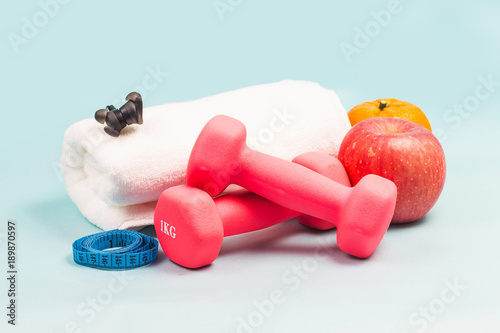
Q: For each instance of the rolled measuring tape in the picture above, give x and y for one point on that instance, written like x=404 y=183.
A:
x=127 y=249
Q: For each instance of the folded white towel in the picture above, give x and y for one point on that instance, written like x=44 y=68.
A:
x=115 y=181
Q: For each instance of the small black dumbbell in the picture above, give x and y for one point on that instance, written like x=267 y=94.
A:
x=118 y=119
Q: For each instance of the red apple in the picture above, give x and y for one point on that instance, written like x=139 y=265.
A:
x=401 y=151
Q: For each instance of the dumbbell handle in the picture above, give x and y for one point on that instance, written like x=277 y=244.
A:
x=243 y=211
x=291 y=185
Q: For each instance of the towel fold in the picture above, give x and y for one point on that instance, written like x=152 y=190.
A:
x=115 y=182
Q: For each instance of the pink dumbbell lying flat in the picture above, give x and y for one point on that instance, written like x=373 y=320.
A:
x=190 y=225
x=220 y=157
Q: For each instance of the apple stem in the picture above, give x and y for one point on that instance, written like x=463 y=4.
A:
x=383 y=104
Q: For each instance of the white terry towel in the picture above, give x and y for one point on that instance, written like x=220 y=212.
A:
x=116 y=181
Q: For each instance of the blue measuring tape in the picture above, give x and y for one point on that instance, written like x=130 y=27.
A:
x=133 y=249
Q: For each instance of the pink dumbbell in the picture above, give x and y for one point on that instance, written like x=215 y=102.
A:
x=362 y=214
x=190 y=225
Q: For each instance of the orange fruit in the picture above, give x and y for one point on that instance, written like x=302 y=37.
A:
x=388 y=107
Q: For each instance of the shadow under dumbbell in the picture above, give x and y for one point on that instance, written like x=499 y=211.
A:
x=276 y=239
x=265 y=238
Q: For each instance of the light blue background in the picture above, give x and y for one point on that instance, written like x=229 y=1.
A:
x=91 y=53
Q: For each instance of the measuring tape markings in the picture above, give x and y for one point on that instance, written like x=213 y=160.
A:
x=133 y=249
